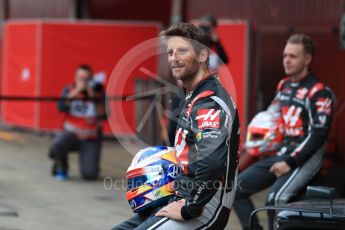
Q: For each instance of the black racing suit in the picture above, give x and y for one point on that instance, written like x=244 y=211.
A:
x=207 y=139
x=206 y=146
x=306 y=107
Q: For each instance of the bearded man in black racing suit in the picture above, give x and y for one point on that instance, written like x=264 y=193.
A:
x=206 y=142
x=306 y=106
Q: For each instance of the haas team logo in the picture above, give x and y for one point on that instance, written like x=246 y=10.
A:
x=292 y=120
x=208 y=119
x=324 y=105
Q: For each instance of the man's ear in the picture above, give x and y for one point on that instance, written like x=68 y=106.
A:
x=203 y=55
x=308 y=59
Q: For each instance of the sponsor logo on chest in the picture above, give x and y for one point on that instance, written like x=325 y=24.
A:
x=298 y=98
x=208 y=119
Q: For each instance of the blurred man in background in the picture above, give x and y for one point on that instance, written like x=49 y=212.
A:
x=83 y=105
x=208 y=23
x=306 y=108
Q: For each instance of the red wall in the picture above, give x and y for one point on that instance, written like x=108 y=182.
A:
x=235 y=40
x=101 y=45
x=52 y=50
x=19 y=73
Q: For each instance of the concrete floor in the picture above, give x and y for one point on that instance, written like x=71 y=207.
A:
x=31 y=199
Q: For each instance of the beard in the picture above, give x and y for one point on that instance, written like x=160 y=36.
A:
x=183 y=72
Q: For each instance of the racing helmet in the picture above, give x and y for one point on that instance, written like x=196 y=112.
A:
x=150 y=178
x=264 y=133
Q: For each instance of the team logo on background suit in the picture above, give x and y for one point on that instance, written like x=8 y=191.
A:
x=208 y=119
x=324 y=105
x=292 y=121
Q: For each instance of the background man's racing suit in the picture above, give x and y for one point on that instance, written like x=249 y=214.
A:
x=306 y=107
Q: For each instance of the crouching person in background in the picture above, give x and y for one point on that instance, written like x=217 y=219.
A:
x=83 y=105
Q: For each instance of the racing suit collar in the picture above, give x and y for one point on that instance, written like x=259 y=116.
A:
x=300 y=81
x=199 y=87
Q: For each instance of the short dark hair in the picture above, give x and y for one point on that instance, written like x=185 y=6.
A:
x=308 y=44
x=189 y=31
x=87 y=68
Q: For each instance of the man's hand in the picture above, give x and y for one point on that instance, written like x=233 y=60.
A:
x=280 y=168
x=172 y=210
x=79 y=87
